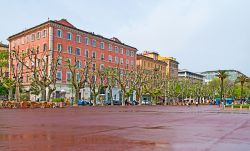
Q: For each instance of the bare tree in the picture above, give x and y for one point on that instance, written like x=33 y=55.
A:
x=16 y=62
x=42 y=69
x=78 y=75
x=124 y=80
x=96 y=84
x=110 y=82
x=140 y=80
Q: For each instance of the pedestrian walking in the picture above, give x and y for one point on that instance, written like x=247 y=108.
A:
x=196 y=103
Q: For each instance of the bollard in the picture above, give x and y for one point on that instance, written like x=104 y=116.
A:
x=232 y=107
x=249 y=107
x=240 y=107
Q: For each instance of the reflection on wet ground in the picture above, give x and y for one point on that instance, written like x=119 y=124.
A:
x=123 y=128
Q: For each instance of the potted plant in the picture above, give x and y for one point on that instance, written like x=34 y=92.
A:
x=58 y=101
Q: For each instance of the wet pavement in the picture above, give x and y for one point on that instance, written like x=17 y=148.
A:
x=130 y=128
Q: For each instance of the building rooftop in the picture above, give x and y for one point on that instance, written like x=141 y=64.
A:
x=65 y=23
x=185 y=70
x=139 y=56
x=215 y=71
x=150 y=52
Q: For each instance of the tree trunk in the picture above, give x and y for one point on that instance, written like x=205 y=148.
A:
x=154 y=100
x=241 y=94
x=17 y=92
x=123 y=100
x=165 y=99
x=77 y=91
x=43 y=94
x=140 y=101
x=10 y=96
x=49 y=95
x=101 y=99
x=221 y=92
x=94 y=99
x=111 y=96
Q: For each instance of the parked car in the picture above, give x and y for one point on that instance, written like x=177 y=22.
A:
x=145 y=102
x=133 y=102
x=84 y=102
x=115 y=102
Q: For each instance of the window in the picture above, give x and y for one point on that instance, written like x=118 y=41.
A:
x=102 y=45
x=121 y=60
x=102 y=56
x=78 y=39
x=32 y=37
x=94 y=66
x=86 y=41
x=27 y=39
x=101 y=66
x=78 y=64
x=110 y=58
x=78 y=51
x=59 y=61
x=18 y=41
x=78 y=78
x=69 y=36
x=94 y=54
x=59 y=33
x=59 y=47
x=37 y=49
x=22 y=40
x=132 y=53
x=70 y=51
x=116 y=60
x=116 y=49
x=127 y=62
x=38 y=35
x=110 y=47
x=132 y=63
x=59 y=75
x=121 y=50
x=44 y=33
x=93 y=78
x=127 y=52
x=86 y=53
x=44 y=47
x=68 y=76
x=93 y=42
x=38 y=62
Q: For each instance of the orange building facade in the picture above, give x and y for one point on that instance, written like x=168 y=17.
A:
x=170 y=66
x=149 y=61
x=60 y=39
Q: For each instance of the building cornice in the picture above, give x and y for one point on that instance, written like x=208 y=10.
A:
x=73 y=29
x=150 y=59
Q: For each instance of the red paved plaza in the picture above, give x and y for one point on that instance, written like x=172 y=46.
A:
x=124 y=128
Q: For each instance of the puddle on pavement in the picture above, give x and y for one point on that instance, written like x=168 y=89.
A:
x=48 y=141
x=155 y=127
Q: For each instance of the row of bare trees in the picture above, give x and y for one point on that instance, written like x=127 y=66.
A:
x=40 y=69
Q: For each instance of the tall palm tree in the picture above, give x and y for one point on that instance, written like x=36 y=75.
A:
x=222 y=75
x=242 y=79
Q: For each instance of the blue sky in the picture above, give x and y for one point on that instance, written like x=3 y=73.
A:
x=201 y=34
